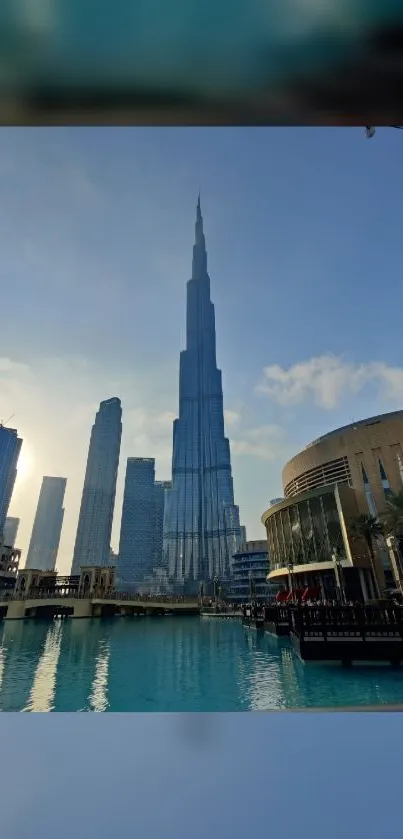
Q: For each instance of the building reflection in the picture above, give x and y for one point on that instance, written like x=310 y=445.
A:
x=22 y=644
x=98 y=699
x=173 y=664
x=77 y=663
x=44 y=686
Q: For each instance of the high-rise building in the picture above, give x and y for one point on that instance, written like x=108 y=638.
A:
x=202 y=530
x=92 y=546
x=136 y=545
x=45 y=537
x=10 y=447
x=10 y=530
x=162 y=490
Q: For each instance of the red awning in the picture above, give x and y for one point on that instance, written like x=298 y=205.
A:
x=310 y=593
x=295 y=595
x=281 y=596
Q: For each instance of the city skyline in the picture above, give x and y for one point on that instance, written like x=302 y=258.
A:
x=303 y=229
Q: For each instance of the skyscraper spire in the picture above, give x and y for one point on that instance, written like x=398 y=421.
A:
x=199 y=268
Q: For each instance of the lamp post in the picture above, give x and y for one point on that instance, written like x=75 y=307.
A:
x=215 y=590
x=338 y=572
x=290 y=568
x=396 y=560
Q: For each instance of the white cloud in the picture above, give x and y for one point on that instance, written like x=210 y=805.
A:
x=231 y=418
x=329 y=379
x=265 y=441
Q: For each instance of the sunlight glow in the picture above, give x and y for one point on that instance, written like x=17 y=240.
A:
x=25 y=465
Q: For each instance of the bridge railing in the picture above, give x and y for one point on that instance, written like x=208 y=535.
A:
x=39 y=594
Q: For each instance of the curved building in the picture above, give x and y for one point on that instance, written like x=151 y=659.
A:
x=344 y=473
x=310 y=546
x=366 y=455
x=250 y=561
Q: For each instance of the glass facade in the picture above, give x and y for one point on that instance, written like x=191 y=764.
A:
x=10 y=530
x=202 y=529
x=10 y=447
x=93 y=539
x=250 y=567
x=137 y=526
x=45 y=537
x=305 y=532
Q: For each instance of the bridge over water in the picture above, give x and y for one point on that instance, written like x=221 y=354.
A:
x=80 y=605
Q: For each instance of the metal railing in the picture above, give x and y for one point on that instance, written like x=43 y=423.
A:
x=346 y=621
x=95 y=594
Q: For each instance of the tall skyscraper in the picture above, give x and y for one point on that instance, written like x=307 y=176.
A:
x=45 y=537
x=10 y=530
x=10 y=447
x=202 y=530
x=136 y=546
x=93 y=539
x=162 y=491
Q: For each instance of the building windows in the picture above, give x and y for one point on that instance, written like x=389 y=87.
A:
x=368 y=493
x=335 y=471
x=400 y=465
x=385 y=483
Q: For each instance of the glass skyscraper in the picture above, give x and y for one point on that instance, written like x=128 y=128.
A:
x=10 y=530
x=136 y=545
x=45 y=537
x=202 y=530
x=10 y=447
x=93 y=539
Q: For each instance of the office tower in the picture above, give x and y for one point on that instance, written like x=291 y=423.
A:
x=243 y=536
x=162 y=490
x=45 y=537
x=136 y=546
x=202 y=529
x=10 y=447
x=10 y=530
x=92 y=546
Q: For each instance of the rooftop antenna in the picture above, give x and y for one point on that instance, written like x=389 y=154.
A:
x=2 y=423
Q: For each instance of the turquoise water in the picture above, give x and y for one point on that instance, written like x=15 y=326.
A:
x=171 y=664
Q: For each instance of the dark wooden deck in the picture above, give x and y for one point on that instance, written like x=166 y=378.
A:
x=348 y=634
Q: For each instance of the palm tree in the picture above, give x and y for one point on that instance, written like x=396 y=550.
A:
x=368 y=528
x=393 y=515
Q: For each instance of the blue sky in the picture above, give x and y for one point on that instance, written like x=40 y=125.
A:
x=227 y=775
x=303 y=230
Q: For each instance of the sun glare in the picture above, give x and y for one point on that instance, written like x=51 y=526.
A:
x=25 y=463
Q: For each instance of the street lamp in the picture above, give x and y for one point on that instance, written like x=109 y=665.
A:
x=215 y=589
x=290 y=568
x=338 y=573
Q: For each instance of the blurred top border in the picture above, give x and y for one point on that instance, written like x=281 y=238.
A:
x=295 y=62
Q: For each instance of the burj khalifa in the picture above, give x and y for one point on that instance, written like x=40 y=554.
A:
x=201 y=524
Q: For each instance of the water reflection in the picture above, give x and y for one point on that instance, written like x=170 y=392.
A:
x=23 y=643
x=44 y=686
x=99 y=693
x=171 y=664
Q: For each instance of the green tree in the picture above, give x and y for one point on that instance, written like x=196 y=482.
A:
x=392 y=518
x=368 y=528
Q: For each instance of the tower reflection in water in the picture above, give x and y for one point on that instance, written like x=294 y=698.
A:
x=82 y=672
x=43 y=689
x=22 y=644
